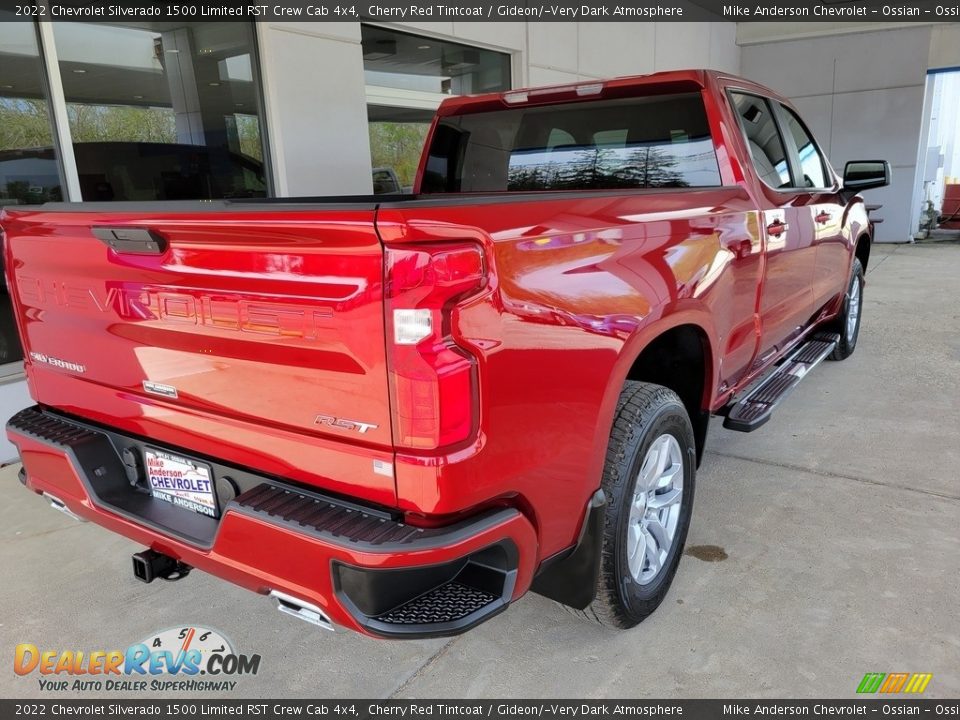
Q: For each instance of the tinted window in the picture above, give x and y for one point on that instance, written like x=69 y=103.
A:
x=811 y=162
x=427 y=64
x=652 y=142
x=766 y=146
x=29 y=172
x=399 y=68
x=397 y=136
x=163 y=110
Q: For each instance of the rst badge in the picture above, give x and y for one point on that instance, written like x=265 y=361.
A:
x=344 y=424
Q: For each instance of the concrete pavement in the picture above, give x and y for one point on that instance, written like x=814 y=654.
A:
x=830 y=542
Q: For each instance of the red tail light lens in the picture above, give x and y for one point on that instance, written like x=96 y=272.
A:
x=433 y=380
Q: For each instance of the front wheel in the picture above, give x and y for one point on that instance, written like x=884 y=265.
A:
x=848 y=322
x=648 y=479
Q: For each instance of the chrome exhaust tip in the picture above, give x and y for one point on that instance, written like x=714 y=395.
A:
x=58 y=504
x=302 y=610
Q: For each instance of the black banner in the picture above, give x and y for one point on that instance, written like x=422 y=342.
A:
x=544 y=709
x=483 y=10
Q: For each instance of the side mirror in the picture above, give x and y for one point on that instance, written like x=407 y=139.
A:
x=861 y=175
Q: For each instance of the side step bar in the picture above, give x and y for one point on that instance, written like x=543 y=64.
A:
x=755 y=408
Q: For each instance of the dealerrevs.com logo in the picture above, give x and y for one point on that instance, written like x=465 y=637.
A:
x=188 y=659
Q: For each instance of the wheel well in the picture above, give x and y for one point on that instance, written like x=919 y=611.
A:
x=679 y=359
x=862 y=251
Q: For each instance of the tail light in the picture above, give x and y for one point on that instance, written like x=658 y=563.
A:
x=433 y=380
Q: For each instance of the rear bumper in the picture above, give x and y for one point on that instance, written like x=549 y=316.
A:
x=361 y=565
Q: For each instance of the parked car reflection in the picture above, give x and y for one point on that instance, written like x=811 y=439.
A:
x=133 y=171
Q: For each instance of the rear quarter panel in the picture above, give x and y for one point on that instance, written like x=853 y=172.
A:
x=581 y=284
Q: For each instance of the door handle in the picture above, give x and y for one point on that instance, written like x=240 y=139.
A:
x=136 y=241
x=777 y=228
x=823 y=217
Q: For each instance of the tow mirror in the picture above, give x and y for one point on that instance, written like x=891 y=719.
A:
x=859 y=175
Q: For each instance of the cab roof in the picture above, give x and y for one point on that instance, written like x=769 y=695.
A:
x=691 y=80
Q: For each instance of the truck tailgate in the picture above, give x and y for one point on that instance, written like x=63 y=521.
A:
x=234 y=326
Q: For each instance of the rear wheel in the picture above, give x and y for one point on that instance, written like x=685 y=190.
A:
x=848 y=322
x=648 y=479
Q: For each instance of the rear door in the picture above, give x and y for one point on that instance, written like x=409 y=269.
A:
x=247 y=323
x=786 y=299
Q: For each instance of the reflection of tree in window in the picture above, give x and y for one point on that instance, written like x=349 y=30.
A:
x=248 y=130
x=652 y=167
x=28 y=168
x=24 y=123
x=121 y=123
x=645 y=166
x=398 y=146
x=658 y=142
x=28 y=172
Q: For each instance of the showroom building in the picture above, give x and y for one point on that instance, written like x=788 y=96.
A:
x=214 y=109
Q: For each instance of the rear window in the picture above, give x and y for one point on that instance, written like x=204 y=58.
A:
x=650 y=142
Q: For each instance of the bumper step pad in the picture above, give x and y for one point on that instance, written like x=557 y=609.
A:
x=348 y=524
x=36 y=424
x=431 y=601
x=341 y=520
x=755 y=408
x=446 y=604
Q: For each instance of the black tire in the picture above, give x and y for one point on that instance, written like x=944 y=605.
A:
x=645 y=412
x=848 y=336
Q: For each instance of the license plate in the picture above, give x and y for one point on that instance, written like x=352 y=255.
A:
x=181 y=481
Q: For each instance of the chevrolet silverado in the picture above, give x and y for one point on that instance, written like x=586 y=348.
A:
x=399 y=414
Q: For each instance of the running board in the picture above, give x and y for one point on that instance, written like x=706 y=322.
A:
x=754 y=409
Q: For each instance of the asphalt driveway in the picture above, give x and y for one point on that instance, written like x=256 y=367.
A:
x=824 y=546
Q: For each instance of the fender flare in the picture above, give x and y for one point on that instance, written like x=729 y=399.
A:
x=633 y=347
x=570 y=577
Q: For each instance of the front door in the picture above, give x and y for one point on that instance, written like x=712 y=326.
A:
x=786 y=298
x=822 y=206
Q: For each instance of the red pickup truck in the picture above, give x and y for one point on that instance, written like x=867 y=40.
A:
x=400 y=414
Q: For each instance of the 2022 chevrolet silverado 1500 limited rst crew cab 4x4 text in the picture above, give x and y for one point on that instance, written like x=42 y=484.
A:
x=400 y=414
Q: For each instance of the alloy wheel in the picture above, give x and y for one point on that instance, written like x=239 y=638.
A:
x=655 y=509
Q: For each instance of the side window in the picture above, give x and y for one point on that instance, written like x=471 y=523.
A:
x=811 y=162
x=766 y=146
